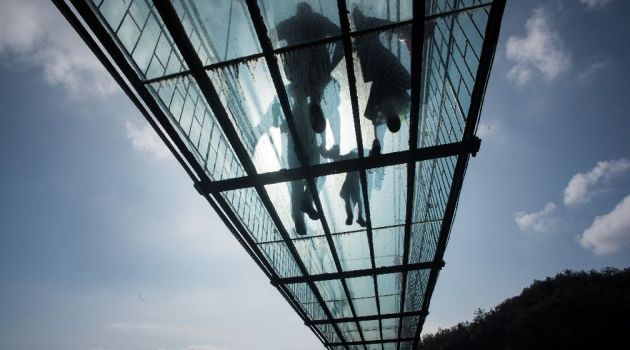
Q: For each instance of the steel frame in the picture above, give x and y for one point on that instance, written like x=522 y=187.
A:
x=109 y=54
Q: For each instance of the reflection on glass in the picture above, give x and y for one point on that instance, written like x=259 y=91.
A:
x=383 y=12
x=386 y=75
x=219 y=30
x=293 y=22
x=341 y=193
x=293 y=213
x=247 y=92
x=320 y=101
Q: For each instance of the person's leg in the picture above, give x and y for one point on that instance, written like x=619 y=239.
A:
x=361 y=218
x=349 y=210
x=297 y=189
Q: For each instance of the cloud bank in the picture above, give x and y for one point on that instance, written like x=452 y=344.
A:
x=34 y=34
x=539 y=53
x=609 y=233
x=145 y=140
x=593 y=4
x=583 y=186
x=540 y=221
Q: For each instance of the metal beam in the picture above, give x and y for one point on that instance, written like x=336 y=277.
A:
x=343 y=166
x=368 y=318
x=360 y=273
x=488 y=50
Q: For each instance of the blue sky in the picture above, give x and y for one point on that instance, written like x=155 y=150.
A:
x=104 y=243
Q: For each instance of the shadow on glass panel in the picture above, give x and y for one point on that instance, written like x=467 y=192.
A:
x=351 y=188
x=309 y=70
x=388 y=97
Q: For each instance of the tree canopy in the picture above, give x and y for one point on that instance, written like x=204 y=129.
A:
x=571 y=310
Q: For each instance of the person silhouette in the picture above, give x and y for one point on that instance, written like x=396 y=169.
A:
x=309 y=69
x=351 y=187
x=388 y=96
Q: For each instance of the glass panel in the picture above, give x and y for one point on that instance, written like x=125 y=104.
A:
x=374 y=346
x=390 y=328
x=335 y=297
x=389 y=288
x=342 y=201
x=295 y=207
x=424 y=239
x=219 y=30
x=315 y=253
x=304 y=295
x=383 y=87
x=248 y=95
x=436 y=7
x=388 y=245
x=141 y=34
x=317 y=86
x=451 y=60
x=371 y=330
x=390 y=346
x=360 y=287
x=365 y=306
x=329 y=333
x=409 y=326
x=350 y=331
x=416 y=286
x=292 y=22
x=372 y=14
x=353 y=250
x=388 y=189
x=432 y=188
x=188 y=111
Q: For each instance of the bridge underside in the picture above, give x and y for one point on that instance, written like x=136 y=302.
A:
x=230 y=88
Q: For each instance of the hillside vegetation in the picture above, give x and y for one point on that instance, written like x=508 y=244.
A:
x=573 y=310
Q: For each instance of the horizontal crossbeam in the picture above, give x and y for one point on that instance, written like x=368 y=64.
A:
x=343 y=166
x=360 y=273
x=368 y=318
x=308 y=44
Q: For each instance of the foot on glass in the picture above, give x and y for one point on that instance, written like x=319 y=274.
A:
x=317 y=118
x=376 y=148
x=393 y=123
x=311 y=212
x=349 y=221
x=361 y=222
x=300 y=228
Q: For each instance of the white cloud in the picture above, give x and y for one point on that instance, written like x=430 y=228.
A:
x=582 y=186
x=593 y=69
x=540 y=52
x=592 y=4
x=540 y=221
x=34 y=34
x=489 y=129
x=609 y=233
x=145 y=140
